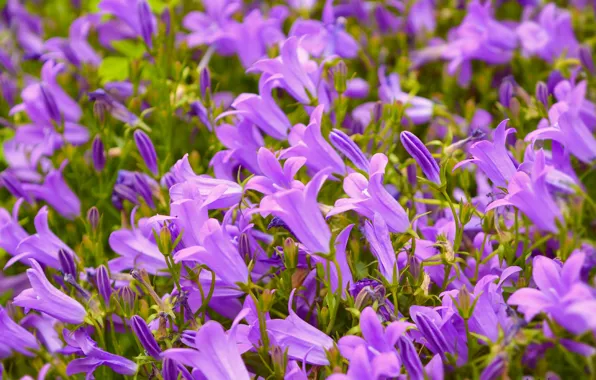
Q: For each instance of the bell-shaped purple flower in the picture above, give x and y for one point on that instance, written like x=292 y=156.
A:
x=141 y=330
x=44 y=297
x=422 y=156
x=146 y=150
x=104 y=286
x=14 y=337
x=67 y=263
x=117 y=110
x=146 y=22
x=409 y=356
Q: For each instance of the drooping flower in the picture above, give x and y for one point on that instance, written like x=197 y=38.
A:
x=81 y=344
x=493 y=158
x=74 y=49
x=44 y=297
x=368 y=197
x=529 y=193
x=13 y=337
x=142 y=331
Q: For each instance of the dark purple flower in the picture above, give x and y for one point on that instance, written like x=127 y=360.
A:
x=93 y=218
x=146 y=337
x=409 y=356
x=67 y=263
x=98 y=154
x=142 y=187
x=147 y=150
x=146 y=22
x=495 y=369
x=542 y=93
x=422 y=156
x=205 y=81
x=506 y=92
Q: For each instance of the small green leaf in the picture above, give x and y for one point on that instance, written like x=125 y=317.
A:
x=114 y=69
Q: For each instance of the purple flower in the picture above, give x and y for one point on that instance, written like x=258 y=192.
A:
x=262 y=110
x=529 y=193
x=14 y=337
x=550 y=36
x=293 y=74
x=275 y=178
x=45 y=327
x=493 y=158
x=115 y=107
x=243 y=140
x=560 y=293
x=215 y=353
x=134 y=15
x=142 y=331
x=102 y=280
x=418 y=110
x=302 y=340
x=368 y=197
x=308 y=142
x=74 y=49
x=11 y=232
x=147 y=22
x=298 y=208
x=542 y=93
x=214 y=27
x=56 y=193
x=43 y=246
x=44 y=297
x=146 y=150
x=362 y=366
x=496 y=368
x=262 y=32
x=344 y=144
x=379 y=239
x=326 y=38
x=81 y=344
x=421 y=155
x=98 y=154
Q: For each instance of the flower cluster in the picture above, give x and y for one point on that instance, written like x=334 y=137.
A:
x=296 y=189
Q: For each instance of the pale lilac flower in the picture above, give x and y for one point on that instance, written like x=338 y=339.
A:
x=134 y=15
x=44 y=297
x=14 y=337
x=243 y=140
x=46 y=330
x=214 y=27
x=368 y=197
x=75 y=49
x=11 y=232
x=274 y=178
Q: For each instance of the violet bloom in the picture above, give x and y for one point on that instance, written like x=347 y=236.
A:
x=214 y=27
x=573 y=96
x=368 y=197
x=302 y=340
x=345 y=145
x=572 y=133
x=262 y=110
x=43 y=246
x=14 y=337
x=11 y=232
x=215 y=353
x=275 y=178
x=298 y=208
x=102 y=280
x=362 y=367
x=550 y=36
x=115 y=107
x=422 y=156
x=142 y=331
x=493 y=158
x=217 y=252
x=307 y=141
x=135 y=16
x=379 y=239
x=560 y=293
x=223 y=193
x=529 y=193
x=146 y=150
x=75 y=49
x=418 y=110
x=327 y=37
x=260 y=31
x=243 y=140
x=81 y=344
x=98 y=154
x=293 y=73
x=44 y=297
x=135 y=248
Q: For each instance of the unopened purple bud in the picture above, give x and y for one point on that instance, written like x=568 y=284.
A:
x=411 y=174
x=99 y=110
x=13 y=185
x=169 y=369
x=93 y=218
x=166 y=19
x=415 y=267
x=377 y=112
x=409 y=356
x=102 y=280
x=506 y=92
x=542 y=93
x=142 y=187
x=244 y=246
x=585 y=57
x=553 y=79
x=147 y=150
x=50 y=104
x=495 y=369
x=127 y=296
x=344 y=144
x=67 y=263
x=98 y=154
x=205 y=81
x=146 y=22
x=422 y=156
x=146 y=337
x=435 y=338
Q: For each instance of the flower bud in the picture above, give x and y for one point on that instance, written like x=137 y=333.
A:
x=141 y=330
x=422 y=156
x=409 y=357
x=67 y=263
x=290 y=253
x=585 y=57
x=344 y=144
x=205 y=81
x=50 y=104
x=99 y=111
x=102 y=280
x=496 y=369
x=142 y=187
x=377 y=112
x=340 y=77
x=244 y=246
x=128 y=298
x=146 y=150
x=98 y=154
x=146 y=22
x=542 y=93
x=506 y=92
x=93 y=218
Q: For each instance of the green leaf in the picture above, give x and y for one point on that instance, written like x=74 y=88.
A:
x=129 y=48
x=114 y=69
